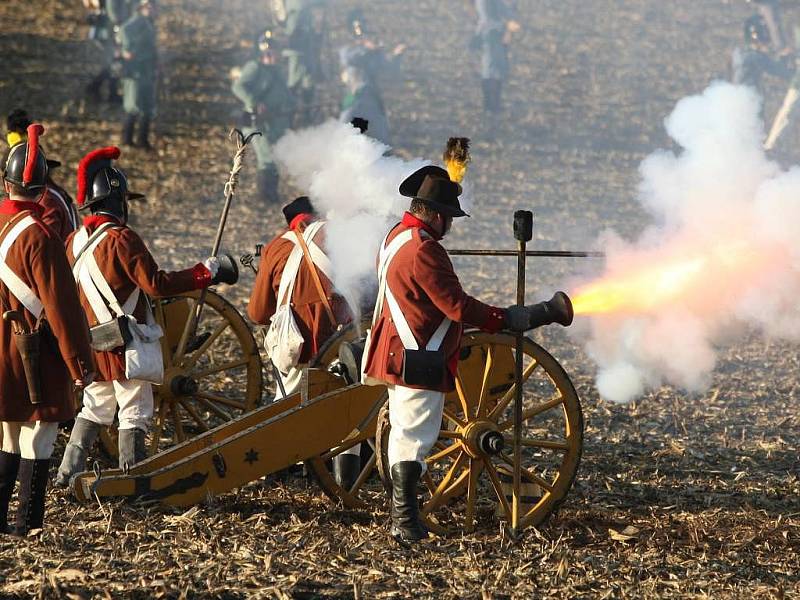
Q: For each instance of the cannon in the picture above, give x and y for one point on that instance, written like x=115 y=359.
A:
x=508 y=450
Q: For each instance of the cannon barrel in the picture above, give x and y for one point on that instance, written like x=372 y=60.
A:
x=556 y=310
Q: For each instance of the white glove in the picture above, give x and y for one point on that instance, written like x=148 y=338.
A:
x=212 y=264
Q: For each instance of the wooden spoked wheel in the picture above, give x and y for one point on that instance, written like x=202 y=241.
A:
x=216 y=379
x=470 y=469
x=367 y=487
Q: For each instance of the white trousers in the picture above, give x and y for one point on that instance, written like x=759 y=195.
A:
x=291 y=381
x=133 y=397
x=416 y=419
x=29 y=440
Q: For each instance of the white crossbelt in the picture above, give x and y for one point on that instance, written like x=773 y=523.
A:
x=292 y=267
x=18 y=288
x=385 y=257
x=90 y=278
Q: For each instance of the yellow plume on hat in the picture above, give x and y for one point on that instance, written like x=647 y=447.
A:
x=456 y=158
x=13 y=138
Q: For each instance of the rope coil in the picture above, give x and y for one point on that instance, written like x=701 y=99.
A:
x=242 y=143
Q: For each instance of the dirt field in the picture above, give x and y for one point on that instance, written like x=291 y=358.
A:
x=707 y=485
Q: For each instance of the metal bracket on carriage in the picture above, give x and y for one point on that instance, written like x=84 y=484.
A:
x=248 y=260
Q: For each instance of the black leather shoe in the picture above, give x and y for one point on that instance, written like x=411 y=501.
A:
x=406 y=525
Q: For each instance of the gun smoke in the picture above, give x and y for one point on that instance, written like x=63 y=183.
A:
x=353 y=185
x=723 y=253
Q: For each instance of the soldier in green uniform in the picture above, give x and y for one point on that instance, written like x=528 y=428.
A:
x=362 y=62
x=139 y=73
x=105 y=18
x=305 y=32
x=268 y=105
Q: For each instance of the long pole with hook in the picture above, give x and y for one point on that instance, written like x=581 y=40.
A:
x=242 y=142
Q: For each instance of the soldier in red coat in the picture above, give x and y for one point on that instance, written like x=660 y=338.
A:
x=58 y=208
x=318 y=316
x=35 y=283
x=285 y=278
x=115 y=276
x=416 y=333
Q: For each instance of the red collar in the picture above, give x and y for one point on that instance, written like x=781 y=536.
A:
x=304 y=218
x=410 y=220
x=13 y=207
x=94 y=221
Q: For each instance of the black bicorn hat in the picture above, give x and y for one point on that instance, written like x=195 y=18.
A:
x=432 y=185
x=361 y=124
x=298 y=206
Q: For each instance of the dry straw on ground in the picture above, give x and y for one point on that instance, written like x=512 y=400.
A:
x=678 y=496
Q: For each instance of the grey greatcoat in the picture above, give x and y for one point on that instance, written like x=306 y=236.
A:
x=140 y=71
x=304 y=44
x=361 y=67
x=748 y=67
x=493 y=16
x=268 y=106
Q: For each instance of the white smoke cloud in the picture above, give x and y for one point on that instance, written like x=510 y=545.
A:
x=354 y=186
x=723 y=253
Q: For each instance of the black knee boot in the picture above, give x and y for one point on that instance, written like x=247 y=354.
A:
x=33 y=474
x=128 y=127
x=267 y=184
x=406 y=525
x=9 y=467
x=143 y=139
x=346 y=469
x=114 y=97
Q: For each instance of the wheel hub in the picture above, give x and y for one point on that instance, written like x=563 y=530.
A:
x=177 y=384
x=481 y=438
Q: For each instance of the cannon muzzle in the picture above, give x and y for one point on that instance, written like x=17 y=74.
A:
x=556 y=310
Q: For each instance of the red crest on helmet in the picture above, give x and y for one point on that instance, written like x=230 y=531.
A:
x=88 y=167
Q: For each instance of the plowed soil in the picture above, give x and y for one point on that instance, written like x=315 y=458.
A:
x=677 y=496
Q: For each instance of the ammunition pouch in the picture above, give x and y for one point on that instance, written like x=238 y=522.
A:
x=29 y=348
x=424 y=368
x=111 y=335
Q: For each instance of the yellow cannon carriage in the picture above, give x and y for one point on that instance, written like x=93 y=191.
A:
x=508 y=450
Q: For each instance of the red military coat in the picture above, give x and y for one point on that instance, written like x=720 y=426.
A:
x=427 y=290
x=126 y=264
x=310 y=313
x=37 y=258
x=58 y=212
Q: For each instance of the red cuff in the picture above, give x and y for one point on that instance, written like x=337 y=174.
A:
x=202 y=276
x=495 y=320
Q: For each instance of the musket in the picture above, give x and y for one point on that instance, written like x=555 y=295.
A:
x=242 y=142
x=781 y=120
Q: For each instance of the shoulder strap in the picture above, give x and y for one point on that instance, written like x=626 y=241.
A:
x=309 y=234
x=82 y=240
x=289 y=275
x=18 y=288
x=91 y=279
x=401 y=324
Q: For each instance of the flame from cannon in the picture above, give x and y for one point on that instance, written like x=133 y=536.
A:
x=700 y=277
